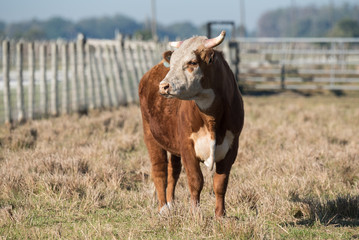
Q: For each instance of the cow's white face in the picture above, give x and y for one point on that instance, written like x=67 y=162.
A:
x=183 y=81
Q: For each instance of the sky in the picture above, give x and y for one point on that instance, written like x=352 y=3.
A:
x=167 y=11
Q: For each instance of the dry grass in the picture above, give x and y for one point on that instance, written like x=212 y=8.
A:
x=87 y=177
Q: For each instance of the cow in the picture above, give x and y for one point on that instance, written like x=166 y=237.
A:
x=191 y=108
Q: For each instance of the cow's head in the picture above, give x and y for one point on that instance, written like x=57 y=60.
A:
x=185 y=78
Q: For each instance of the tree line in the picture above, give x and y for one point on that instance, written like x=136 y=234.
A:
x=309 y=21
x=94 y=27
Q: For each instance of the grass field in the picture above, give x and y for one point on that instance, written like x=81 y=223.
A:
x=87 y=177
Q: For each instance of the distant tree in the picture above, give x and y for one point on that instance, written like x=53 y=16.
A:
x=144 y=34
x=308 y=21
x=345 y=28
x=17 y=30
x=34 y=33
x=241 y=31
x=182 y=30
x=105 y=27
x=2 y=29
x=270 y=23
x=58 y=27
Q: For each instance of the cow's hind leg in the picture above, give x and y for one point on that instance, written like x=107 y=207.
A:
x=220 y=179
x=220 y=182
x=174 y=170
x=159 y=164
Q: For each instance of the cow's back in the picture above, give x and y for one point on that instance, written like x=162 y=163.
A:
x=159 y=114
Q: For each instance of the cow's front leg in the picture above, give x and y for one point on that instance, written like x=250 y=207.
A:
x=174 y=170
x=194 y=174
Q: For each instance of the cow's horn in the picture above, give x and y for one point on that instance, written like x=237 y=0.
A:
x=175 y=44
x=213 y=42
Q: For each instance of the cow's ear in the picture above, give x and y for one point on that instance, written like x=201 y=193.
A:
x=205 y=54
x=209 y=55
x=167 y=56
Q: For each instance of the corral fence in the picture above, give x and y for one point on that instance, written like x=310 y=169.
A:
x=299 y=63
x=58 y=77
x=50 y=78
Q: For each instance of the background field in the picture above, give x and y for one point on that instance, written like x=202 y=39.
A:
x=296 y=176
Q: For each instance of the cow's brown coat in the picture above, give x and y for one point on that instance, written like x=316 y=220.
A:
x=169 y=123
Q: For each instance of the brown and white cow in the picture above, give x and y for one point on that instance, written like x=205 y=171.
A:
x=193 y=110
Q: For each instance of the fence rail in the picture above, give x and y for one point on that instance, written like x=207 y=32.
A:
x=299 y=63
x=51 y=78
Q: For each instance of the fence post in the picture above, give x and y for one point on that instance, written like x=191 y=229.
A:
x=124 y=69
x=54 y=104
x=111 y=79
x=116 y=68
x=81 y=71
x=233 y=51
x=150 y=61
x=90 y=78
x=227 y=54
x=65 y=80
x=333 y=56
x=157 y=52
x=136 y=59
x=43 y=83
x=106 y=94
x=74 y=87
x=31 y=55
x=7 y=92
x=131 y=66
x=142 y=58
x=20 y=86
x=282 y=77
x=97 y=83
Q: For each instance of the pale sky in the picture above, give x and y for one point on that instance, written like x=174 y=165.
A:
x=168 y=11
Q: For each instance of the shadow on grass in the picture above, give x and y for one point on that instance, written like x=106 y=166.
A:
x=343 y=211
x=260 y=93
x=265 y=93
x=303 y=93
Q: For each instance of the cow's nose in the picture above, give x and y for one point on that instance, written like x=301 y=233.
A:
x=164 y=88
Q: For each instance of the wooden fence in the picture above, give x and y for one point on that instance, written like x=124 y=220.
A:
x=51 y=78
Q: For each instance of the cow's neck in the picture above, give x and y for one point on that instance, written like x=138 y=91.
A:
x=205 y=100
x=210 y=101
x=210 y=109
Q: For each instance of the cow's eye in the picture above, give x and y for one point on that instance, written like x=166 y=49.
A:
x=192 y=63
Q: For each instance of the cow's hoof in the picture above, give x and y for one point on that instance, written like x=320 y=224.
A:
x=165 y=209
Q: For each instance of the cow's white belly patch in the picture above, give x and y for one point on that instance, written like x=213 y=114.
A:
x=221 y=150
x=204 y=145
